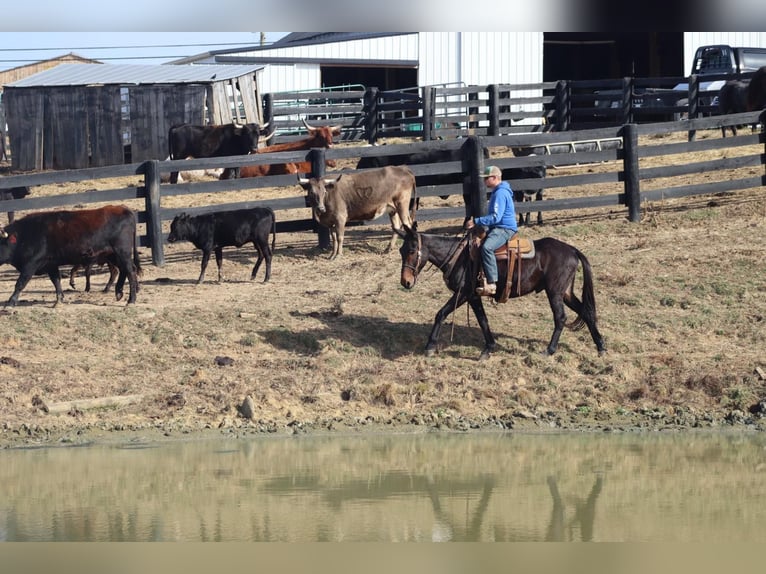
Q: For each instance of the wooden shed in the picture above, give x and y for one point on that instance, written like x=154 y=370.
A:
x=78 y=115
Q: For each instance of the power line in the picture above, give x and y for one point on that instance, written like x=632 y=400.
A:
x=107 y=58
x=131 y=47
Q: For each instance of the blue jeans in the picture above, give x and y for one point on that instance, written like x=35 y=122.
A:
x=496 y=237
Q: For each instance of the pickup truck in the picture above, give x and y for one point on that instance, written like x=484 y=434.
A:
x=713 y=60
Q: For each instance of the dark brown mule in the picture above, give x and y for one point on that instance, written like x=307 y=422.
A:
x=552 y=270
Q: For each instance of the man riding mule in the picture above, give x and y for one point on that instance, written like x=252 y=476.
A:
x=500 y=222
x=552 y=269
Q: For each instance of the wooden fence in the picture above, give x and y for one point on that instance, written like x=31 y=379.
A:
x=623 y=179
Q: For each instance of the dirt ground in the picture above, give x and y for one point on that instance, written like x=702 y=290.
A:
x=337 y=346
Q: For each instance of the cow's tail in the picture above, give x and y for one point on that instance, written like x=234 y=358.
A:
x=413 y=201
x=273 y=230
x=136 y=259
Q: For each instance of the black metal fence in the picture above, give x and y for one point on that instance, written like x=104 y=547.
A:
x=436 y=112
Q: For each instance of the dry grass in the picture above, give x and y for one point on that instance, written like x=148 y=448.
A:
x=329 y=345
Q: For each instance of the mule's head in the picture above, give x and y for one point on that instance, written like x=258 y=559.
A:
x=412 y=256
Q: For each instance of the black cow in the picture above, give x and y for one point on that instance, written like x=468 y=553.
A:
x=447 y=155
x=187 y=140
x=13 y=193
x=756 y=91
x=41 y=242
x=732 y=99
x=521 y=195
x=214 y=231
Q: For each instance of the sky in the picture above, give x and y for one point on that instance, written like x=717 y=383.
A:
x=20 y=48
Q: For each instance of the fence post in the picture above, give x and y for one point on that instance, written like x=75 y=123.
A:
x=627 y=101
x=693 y=103
x=268 y=113
x=562 y=105
x=318 y=171
x=428 y=112
x=371 y=115
x=474 y=194
x=630 y=163
x=494 y=110
x=472 y=112
x=153 y=217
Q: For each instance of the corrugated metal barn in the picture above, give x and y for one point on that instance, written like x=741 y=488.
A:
x=397 y=60
x=78 y=115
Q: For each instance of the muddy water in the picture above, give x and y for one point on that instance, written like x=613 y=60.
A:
x=477 y=487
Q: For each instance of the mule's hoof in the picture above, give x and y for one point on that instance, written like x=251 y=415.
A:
x=484 y=355
x=430 y=352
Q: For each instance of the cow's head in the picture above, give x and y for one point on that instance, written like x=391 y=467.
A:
x=178 y=228
x=322 y=135
x=7 y=245
x=249 y=135
x=316 y=191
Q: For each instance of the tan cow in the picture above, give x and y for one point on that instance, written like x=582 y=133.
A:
x=362 y=196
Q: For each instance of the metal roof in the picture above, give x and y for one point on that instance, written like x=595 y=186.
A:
x=99 y=74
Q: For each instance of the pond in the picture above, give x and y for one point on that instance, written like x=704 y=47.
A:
x=483 y=487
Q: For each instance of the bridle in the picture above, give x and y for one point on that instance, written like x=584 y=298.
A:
x=445 y=267
x=415 y=268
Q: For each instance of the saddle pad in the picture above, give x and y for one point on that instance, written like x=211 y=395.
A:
x=524 y=245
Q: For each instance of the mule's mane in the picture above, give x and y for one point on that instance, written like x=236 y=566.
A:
x=444 y=250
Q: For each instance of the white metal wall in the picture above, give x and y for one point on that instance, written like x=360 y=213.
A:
x=693 y=40
x=453 y=58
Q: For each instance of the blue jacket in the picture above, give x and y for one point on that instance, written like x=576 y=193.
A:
x=500 y=212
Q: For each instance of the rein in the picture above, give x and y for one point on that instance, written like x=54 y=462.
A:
x=447 y=265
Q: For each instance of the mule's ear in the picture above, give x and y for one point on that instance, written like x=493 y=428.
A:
x=402 y=231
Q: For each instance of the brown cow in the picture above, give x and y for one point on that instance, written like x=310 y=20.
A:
x=361 y=196
x=40 y=243
x=320 y=136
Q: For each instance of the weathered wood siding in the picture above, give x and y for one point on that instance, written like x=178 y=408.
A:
x=154 y=109
x=104 y=130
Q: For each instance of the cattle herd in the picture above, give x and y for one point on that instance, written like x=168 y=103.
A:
x=40 y=243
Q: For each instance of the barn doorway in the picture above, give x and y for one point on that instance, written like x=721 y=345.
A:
x=603 y=55
x=383 y=77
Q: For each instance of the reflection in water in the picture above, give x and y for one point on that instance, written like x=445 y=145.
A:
x=483 y=487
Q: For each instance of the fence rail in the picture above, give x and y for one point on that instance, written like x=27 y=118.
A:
x=624 y=179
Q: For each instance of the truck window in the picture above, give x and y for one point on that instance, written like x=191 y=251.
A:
x=714 y=59
x=752 y=60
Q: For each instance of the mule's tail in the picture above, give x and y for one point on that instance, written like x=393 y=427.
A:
x=588 y=311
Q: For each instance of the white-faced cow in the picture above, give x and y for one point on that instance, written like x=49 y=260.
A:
x=40 y=243
x=214 y=231
x=319 y=136
x=361 y=196
x=187 y=140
